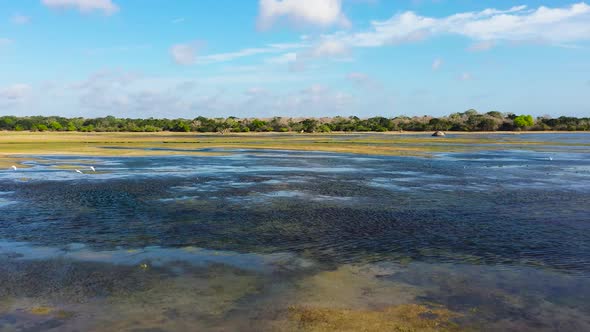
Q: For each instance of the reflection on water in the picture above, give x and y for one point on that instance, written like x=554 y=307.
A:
x=276 y=240
x=154 y=256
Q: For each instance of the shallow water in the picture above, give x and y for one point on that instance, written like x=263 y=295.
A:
x=485 y=240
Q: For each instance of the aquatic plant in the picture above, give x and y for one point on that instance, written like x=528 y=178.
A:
x=41 y=310
x=402 y=318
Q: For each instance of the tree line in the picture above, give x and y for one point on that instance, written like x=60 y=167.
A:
x=470 y=120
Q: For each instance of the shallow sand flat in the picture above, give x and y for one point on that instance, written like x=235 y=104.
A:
x=13 y=144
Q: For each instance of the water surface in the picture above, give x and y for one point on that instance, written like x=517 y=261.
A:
x=262 y=240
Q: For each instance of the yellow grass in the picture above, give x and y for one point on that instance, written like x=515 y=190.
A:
x=15 y=147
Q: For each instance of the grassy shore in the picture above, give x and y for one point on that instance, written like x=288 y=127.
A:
x=16 y=147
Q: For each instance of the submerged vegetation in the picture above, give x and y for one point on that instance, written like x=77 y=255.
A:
x=469 y=120
x=411 y=317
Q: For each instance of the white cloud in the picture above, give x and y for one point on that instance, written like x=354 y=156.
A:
x=285 y=58
x=465 y=77
x=330 y=48
x=363 y=80
x=358 y=77
x=85 y=6
x=298 y=66
x=327 y=48
x=318 y=99
x=107 y=78
x=481 y=46
x=20 y=19
x=548 y=25
x=258 y=101
x=99 y=51
x=487 y=28
x=13 y=95
x=129 y=94
x=184 y=54
x=125 y=93
x=310 y=101
x=178 y=20
x=5 y=42
x=224 y=57
x=256 y=91
x=323 y=13
x=436 y=64
x=15 y=91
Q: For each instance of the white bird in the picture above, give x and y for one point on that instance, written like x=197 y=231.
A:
x=92 y=168
x=13 y=167
x=78 y=171
x=550 y=158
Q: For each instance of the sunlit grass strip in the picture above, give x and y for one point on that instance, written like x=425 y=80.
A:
x=15 y=146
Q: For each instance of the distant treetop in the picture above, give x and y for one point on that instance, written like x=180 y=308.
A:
x=469 y=120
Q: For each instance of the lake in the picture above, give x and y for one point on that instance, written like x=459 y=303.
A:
x=271 y=240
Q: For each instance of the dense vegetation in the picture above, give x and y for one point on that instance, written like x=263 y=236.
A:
x=470 y=120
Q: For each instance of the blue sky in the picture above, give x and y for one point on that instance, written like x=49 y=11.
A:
x=247 y=58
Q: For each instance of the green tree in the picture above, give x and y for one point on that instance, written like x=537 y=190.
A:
x=258 y=125
x=523 y=121
x=324 y=129
x=182 y=126
x=7 y=122
x=87 y=128
x=495 y=114
x=71 y=126
x=309 y=125
x=487 y=124
x=439 y=124
x=54 y=125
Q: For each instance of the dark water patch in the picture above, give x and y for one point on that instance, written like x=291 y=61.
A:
x=329 y=220
x=511 y=207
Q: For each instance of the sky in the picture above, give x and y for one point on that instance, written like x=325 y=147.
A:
x=293 y=58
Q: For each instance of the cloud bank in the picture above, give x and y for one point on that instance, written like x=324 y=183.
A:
x=322 y=13
x=517 y=24
x=107 y=7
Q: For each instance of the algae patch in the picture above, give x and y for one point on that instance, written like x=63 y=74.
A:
x=407 y=317
x=42 y=311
